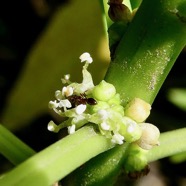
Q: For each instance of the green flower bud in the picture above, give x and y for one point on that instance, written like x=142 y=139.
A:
x=115 y=100
x=119 y=109
x=103 y=91
x=138 y=110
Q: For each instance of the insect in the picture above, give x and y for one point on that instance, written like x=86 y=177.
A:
x=76 y=100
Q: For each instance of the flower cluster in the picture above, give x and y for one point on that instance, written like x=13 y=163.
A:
x=83 y=103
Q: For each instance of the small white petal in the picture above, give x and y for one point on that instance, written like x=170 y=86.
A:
x=86 y=57
x=71 y=129
x=105 y=126
x=80 y=109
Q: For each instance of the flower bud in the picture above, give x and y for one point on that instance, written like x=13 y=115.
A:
x=149 y=137
x=118 y=11
x=103 y=91
x=138 y=110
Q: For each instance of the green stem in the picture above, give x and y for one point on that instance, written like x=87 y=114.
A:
x=13 y=148
x=58 y=160
x=101 y=170
x=148 y=49
x=171 y=143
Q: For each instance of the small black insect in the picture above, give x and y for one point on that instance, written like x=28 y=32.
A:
x=76 y=100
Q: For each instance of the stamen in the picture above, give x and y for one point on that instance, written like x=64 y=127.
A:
x=85 y=57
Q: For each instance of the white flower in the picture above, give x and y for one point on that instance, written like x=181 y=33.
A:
x=80 y=109
x=117 y=139
x=85 y=57
x=71 y=129
x=65 y=103
x=67 y=91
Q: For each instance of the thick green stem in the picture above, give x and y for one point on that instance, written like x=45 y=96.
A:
x=101 y=170
x=58 y=160
x=148 y=49
x=13 y=148
x=171 y=143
